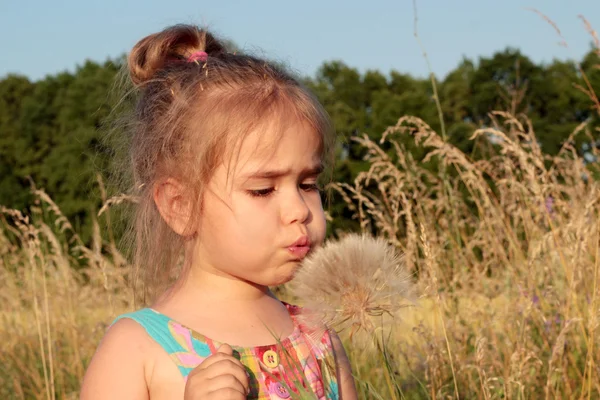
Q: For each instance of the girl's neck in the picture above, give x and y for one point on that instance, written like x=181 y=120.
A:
x=226 y=310
x=203 y=288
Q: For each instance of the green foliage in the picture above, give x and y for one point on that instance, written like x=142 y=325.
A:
x=551 y=95
x=13 y=91
x=53 y=131
x=53 y=135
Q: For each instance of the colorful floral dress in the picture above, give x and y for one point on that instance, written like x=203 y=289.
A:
x=295 y=365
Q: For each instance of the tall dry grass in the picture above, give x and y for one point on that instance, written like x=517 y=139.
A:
x=504 y=251
x=56 y=301
x=505 y=254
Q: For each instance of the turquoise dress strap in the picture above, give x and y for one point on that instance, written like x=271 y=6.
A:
x=184 y=349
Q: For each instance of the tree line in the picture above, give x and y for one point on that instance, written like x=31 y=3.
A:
x=53 y=132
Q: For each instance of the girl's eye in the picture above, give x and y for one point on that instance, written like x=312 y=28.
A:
x=309 y=187
x=261 y=192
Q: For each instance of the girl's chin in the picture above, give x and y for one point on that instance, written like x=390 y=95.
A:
x=286 y=276
x=279 y=276
x=281 y=281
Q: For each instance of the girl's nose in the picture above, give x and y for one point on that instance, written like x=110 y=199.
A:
x=294 y=208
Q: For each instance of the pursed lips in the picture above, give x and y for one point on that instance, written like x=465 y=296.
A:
x=300 y=247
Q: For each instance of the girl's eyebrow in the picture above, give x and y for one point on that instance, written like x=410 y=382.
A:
x=274 y=174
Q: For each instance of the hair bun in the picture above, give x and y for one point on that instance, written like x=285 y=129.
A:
x=176 y=43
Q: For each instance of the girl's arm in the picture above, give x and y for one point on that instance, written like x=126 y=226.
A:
x=117 y=369
x=344 y=370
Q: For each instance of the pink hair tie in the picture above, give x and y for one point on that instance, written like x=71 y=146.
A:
x=198 y=56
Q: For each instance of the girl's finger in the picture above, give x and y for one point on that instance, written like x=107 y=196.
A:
x=228 y=381
x=215 y=358
x=226 y=394
x=226 y=367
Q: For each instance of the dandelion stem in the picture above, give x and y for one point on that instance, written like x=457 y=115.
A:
x=384 y=359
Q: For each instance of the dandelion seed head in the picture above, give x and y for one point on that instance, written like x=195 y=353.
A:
x=352 y=284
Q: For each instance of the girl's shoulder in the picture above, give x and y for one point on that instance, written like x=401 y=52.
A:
x=117 y=369
x=146 y=320
x=174 y=338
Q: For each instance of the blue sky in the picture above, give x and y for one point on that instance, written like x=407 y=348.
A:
x=45 y=37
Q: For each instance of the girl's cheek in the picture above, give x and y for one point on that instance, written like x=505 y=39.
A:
x=321 y=228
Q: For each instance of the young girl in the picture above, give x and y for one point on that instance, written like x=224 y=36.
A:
x=226 y=151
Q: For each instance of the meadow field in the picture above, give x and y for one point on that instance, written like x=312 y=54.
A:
x=503 y=252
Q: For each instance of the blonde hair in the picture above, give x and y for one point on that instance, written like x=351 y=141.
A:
x=187 y=114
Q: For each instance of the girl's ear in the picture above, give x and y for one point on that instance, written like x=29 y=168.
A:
x=174 y=205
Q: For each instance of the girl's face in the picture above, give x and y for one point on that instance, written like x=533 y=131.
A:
x=260 y=219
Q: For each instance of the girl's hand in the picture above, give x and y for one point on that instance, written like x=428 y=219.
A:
x=219 y=377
